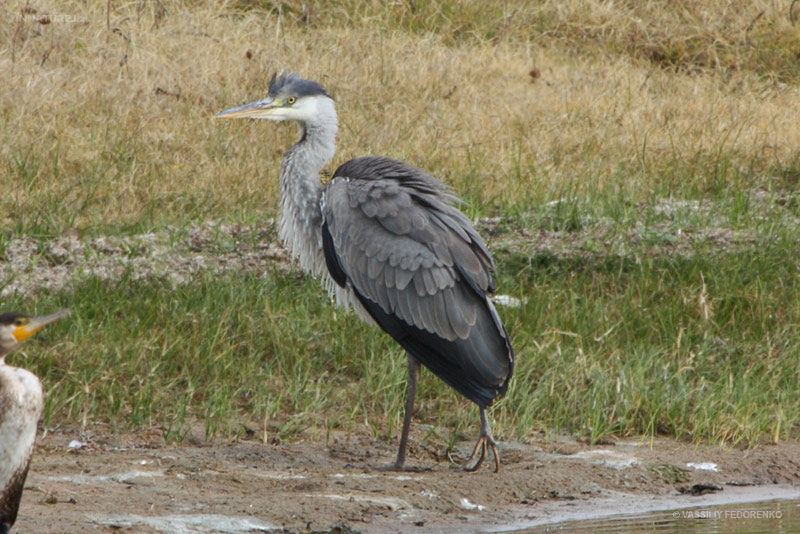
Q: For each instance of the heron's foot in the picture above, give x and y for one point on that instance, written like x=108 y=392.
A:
x=402 y=468
x=486 y=441
x=397 y=466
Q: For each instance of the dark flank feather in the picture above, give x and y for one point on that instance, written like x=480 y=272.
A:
x=10 y=497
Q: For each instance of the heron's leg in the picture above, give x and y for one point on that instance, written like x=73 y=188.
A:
x=413 y=374
x=484 y=441
x=411 y=392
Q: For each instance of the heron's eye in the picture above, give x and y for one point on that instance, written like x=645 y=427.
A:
x=291 y=100
x=19 y=322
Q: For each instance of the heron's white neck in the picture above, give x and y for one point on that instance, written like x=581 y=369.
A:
x=301 y=189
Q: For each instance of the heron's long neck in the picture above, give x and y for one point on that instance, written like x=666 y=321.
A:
x=301 y=190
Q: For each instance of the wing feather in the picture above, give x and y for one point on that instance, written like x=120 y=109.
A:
x=420 y=270
x=402 y=277
x=441 y=324
x=375 y=268
x=457 y=321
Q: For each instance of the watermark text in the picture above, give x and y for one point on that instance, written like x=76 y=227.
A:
x=727 y=514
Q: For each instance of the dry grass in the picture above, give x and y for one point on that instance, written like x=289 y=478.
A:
x=110 y=124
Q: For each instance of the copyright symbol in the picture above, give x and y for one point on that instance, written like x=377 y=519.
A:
x=676 y=515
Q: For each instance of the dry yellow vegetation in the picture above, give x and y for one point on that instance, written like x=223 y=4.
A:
x=105 y=108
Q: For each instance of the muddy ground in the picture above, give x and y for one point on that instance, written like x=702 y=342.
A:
x=103 y=482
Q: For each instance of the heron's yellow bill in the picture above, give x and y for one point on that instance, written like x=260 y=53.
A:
x=253 y=110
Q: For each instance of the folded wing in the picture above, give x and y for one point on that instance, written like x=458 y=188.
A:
x=420 y=269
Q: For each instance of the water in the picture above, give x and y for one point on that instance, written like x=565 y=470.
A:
x=767 y=517
x=190 y=523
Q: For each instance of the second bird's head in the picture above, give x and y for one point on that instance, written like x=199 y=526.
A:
x=17 y=327
x=290 y=98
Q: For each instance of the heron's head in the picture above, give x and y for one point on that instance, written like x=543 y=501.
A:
x=17 y=327
x=290 y=98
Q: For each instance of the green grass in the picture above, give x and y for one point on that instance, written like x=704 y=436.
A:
x=690 y=339
x=626 y=347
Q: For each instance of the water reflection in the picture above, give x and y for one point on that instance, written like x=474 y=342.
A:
x=768 y=517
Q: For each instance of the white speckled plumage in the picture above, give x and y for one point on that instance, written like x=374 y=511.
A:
x=21 y=404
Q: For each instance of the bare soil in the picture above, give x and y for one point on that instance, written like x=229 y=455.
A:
x=105 y=482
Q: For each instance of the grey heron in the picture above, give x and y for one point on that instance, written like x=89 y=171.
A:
x=386 y=239
x=21 y=403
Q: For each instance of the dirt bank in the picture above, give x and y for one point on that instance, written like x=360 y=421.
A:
x=96 y=482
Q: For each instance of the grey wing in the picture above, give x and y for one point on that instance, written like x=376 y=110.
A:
x=420 y=269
